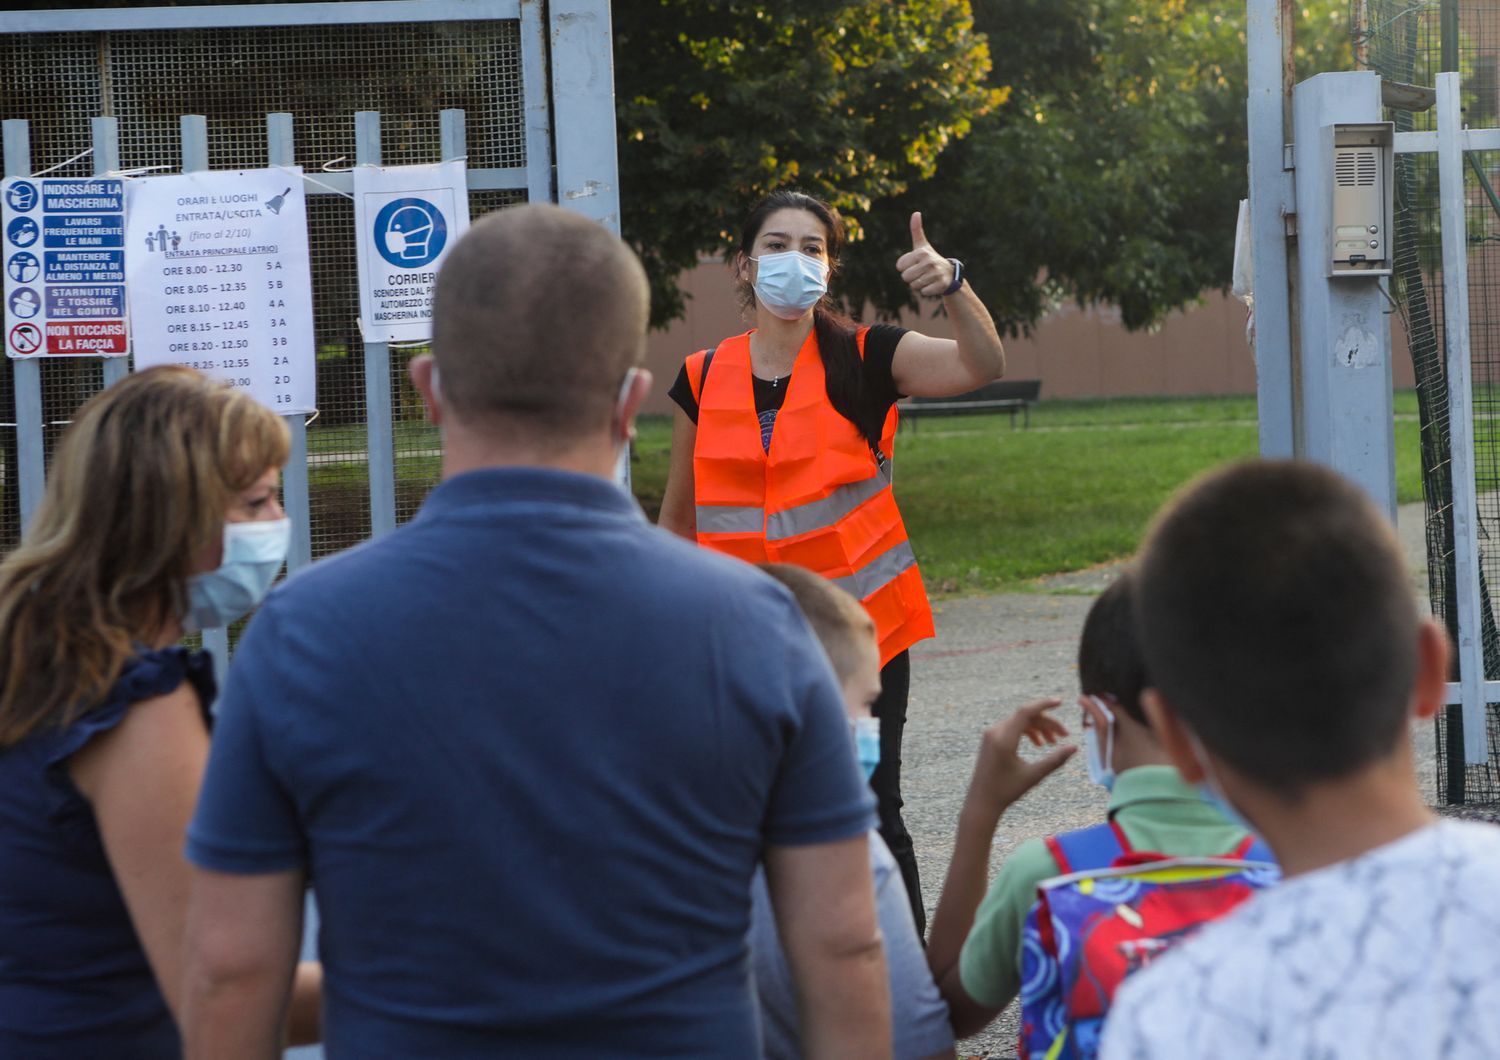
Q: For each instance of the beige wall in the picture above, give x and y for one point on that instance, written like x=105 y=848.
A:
x=1074 y=352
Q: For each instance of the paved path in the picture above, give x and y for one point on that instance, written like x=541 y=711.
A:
x=991 y=655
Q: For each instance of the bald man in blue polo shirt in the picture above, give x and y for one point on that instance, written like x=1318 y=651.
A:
x=527 y=748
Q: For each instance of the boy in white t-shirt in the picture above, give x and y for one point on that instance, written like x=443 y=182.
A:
x=919 y=1016
x=1283 y=640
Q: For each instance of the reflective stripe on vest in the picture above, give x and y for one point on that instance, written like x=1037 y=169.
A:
x=802 y=519
x=722 y=519
x=817 y=514
x=879 y=572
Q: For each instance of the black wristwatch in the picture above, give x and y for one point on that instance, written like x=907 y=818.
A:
x=958 y=277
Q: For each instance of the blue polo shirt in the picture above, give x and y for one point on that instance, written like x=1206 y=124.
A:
x=529 y=749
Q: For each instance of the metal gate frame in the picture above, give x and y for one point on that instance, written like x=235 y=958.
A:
x=1452 y=142
x=1274 y=183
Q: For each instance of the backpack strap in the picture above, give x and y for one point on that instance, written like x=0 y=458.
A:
x=697 y=371
x=1097 y=847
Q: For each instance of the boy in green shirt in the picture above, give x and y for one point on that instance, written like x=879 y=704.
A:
x=975 y=957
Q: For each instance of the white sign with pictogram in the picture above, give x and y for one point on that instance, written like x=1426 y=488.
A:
x=406 y=218
x=219 y=280
x=63 y=243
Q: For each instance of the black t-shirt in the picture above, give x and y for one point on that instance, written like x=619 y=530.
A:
x=878 y=394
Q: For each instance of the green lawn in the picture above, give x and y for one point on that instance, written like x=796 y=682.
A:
x=991 y=508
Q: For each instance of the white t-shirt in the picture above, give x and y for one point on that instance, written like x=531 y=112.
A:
x=1392 y=954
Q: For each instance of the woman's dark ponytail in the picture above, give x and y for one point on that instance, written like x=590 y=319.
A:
x=843 y=370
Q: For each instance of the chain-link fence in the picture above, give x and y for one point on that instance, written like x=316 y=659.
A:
x=1411 y=41
x=322 y=75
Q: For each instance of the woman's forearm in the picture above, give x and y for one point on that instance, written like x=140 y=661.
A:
x=979 y=346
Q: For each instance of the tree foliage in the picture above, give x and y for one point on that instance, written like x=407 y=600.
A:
x=1091 y=150
x=722 y=102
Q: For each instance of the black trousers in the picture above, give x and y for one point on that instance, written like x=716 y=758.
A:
x=890 y=708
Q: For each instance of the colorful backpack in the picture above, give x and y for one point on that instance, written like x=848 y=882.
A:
x=1114 y=910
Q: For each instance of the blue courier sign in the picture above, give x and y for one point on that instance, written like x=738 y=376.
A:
x=406 y=217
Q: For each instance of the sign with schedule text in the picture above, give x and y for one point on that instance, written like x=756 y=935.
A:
x=219 y=279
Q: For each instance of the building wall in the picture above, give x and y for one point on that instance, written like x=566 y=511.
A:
x=1076 y=353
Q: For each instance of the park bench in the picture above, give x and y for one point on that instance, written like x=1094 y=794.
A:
x=1007 y=395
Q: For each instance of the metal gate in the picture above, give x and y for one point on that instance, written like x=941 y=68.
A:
x=521 y=89
x=1438 y=67
x=1448 y=225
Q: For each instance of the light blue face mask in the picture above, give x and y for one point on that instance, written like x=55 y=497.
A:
x=790 y=283
x=1100 y=760
x=1210 y=791
x=867 y=744
x=253 y=553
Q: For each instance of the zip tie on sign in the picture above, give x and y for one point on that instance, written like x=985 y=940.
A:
x=127 y=174
x=327 y=167
x=66 y=162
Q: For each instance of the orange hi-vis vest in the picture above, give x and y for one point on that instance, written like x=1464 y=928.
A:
x=818 y=499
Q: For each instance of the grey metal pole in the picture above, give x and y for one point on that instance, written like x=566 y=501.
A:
x=453 y=137
x=106 y=136
x=1448 y=29
x=1461 y=414
x=193 y=129
x=1345 y=367
x=583 y=101
x=281 y=150
x=535 y=77
x=379 y=440
x=1271 y=203
x=31 y=465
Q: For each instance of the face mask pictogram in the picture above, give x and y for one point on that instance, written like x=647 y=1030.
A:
x=409 y=234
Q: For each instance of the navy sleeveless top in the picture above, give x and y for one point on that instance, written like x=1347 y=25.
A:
x=74 y=981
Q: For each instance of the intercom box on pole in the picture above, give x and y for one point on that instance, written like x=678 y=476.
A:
x=1363 y=175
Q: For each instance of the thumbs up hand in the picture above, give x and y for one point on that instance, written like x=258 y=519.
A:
x=925 y=271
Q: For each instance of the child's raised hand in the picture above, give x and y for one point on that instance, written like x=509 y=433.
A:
x=1002 y=776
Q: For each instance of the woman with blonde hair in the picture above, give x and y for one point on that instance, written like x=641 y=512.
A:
x=160 y=517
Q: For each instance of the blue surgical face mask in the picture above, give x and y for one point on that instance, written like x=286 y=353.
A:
x=253 y=553
x=867 y=744
x=1100 y=760
x=1212 y=792
x=790 y=283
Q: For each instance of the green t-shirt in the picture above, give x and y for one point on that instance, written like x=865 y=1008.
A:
x=1159 y=813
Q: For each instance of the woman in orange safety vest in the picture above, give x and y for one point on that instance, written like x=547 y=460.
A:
x=784 y=437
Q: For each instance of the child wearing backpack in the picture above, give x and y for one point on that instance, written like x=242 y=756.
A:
x=1288 y=661
x=975 y=947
